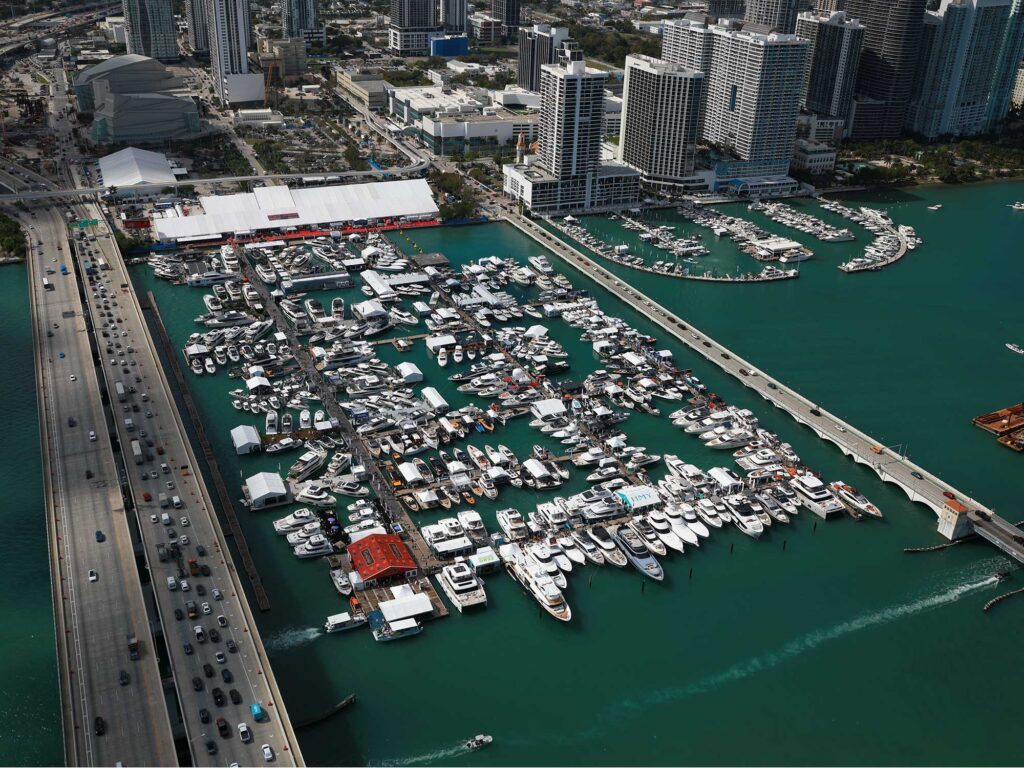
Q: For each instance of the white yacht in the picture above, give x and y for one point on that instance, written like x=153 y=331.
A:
x=815 y=495
x=663 y=530
x=308 y=463
x=294 y=521
x=472 y=523
x=315 y=546
x=304 y=533
x=853 y=499
x=462 y=587
x=270 y=425
x=537 y=583
x=512 y=524
x=317 y=496
x=287 y=444
x=744 y=516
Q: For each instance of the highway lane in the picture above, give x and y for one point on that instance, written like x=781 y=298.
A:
x=96 y=616
x=158 y=421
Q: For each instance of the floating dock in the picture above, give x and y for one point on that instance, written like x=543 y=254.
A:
x=1003 y=421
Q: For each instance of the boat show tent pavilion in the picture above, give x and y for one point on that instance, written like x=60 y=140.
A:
x=267 y=208
x=132 y=166
x=246 y=439
x=265 y=489
x=380 y=556
x=639 y=497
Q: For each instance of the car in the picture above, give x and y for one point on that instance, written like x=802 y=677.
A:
x=154 y=519
x=99 y=726
x=949 y=495
x=88 y=474
x=208 y=669
x=200 y=589
x=93 y=576
x=201 y=551
x=706 y=343
x=211 y=747
x=197 y=683
x=123 y=677
x=236 y=697
x=214 y=636
x=222 y=728
x=217 y=594
x=147 y=496
x=222 y=621
x=771 y=385
x=200 y=633
x=184 y=522
x=226 y=676
x=220 y=657
x=154 y=475
x=185 y=586
x=100 y=536
x=188 y=648
x=815 y=412
x=744 y=372
x=170 y=485
x=204 y=716
x=232 y=646
x=206 y=609
x=179 y=614
x=218 y=697
x=726 y=356
x=244 y=732
x=840 y=427
x=205 y=569
x=917 y=474
x=72 y=377
x=268 y=753
x=92 y=436
x=184 y=543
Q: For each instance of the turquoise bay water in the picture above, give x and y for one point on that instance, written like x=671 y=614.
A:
x=817 y=644
x=29 y=698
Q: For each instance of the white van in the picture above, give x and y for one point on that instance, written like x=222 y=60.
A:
x=165 y=519
x=176 y=501
x=172 y=583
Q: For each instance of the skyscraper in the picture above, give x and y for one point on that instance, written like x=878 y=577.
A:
x=958 y=77
x=300 y=18
x=413 y=22
x=831 y=73
x=538 y=45
x=777 y=15
x=726 y=9
x=753 y=86
x=507 y=12
x=455 y=16
x=568 y=175
x=828 y=6
x=230 y=28
x=150 y=28
x=197 y=19
x=1011 y=51
x=660 y=116
x=887 y=64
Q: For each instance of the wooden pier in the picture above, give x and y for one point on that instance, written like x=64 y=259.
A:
x=371 y=597
x=1003 y=421
x=226 y=504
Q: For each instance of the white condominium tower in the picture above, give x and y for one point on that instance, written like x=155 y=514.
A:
x=660 y=116
x=150 y=29
x=571 y=117
x=753 y=86
x=230 y=27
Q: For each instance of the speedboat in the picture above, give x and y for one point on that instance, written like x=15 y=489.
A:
x=637 y=553
x=478 y=741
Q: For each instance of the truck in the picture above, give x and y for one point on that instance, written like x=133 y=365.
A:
x=193 y=567
x=121 y=395
x=137 y=451
x=129 y=425
x=161 y=550
x=190 y=607
x=133 y=647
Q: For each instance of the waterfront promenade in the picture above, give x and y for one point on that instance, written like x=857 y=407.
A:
x=919 y=484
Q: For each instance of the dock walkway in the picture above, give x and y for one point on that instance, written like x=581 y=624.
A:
x=919 y=484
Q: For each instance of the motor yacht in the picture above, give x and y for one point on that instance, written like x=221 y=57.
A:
x=294 y=521
x=535 y=581
x=462 y=586
x=853 y=499
x=590 y=550
x=743 y=516
x=340 y=622
x=661 y=526
x=512 y=524
x=815 y=495
x=638 y=555
x=317 y=496
x=317 y=545
x=287 y=444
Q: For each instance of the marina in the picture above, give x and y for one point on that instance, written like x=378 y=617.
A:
x=509 y=605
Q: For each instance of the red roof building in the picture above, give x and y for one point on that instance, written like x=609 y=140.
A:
x=380 y=556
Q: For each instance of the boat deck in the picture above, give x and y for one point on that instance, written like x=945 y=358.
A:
x=372 y=597
x=1003 y=421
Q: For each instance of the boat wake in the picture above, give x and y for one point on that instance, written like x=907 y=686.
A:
x=439 y=755
x=808 y=642
x=291 y=637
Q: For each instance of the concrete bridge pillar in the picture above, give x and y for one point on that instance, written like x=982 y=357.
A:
x=953 y=521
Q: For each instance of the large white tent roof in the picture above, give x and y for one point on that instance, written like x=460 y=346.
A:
x=281 y=206
x=133 y=166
